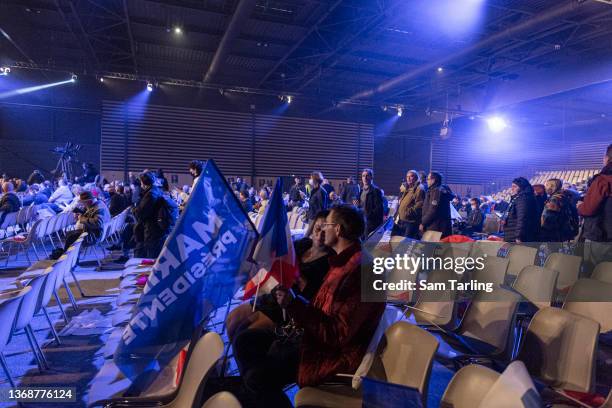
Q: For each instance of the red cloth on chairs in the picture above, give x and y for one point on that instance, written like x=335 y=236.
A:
x=456 y=239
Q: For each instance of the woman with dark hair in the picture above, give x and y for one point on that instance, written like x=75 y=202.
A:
x=521 y=224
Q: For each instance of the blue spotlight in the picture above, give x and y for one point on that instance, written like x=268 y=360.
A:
x=497 y=124
x=400 y=111
x=29 y=89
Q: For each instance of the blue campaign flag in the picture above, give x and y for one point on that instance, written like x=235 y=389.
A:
x=205 y=260
x=380 y=394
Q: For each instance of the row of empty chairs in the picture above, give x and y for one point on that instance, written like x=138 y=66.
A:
x=42 y=231
x=33 y=292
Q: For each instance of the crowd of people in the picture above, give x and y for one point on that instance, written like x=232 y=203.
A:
x=319 y=327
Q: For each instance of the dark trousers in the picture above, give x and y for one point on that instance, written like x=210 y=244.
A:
x=406 y=229
x=71 y=237
x=149 y=249
x=266 y=366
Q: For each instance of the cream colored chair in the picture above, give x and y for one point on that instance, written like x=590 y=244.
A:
x=537 y=285
x=486 y=329
x=568 y=267
x=431 y=236
x=560 y=349
x=592 y=299
x=485 y=247
x=475 y=386
x=405 y=357
x=494 y=270
x=603 y=272
x=436 y=308
x=222 y=399
x=206 y=353
x=519 y=257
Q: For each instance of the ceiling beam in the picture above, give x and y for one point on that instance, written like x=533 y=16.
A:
x=551 y=14
x=295 y=46
x=130 y=36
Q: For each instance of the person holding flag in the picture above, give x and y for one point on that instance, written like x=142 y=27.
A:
x=264 y=311
x=336 y=326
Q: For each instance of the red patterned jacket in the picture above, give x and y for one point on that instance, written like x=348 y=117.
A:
x=337 y=326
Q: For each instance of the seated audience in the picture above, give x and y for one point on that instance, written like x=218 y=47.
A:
x=264 y=196
x=89 y=174
x=34 y=196
x=118 y=201
x=245 y=201
x=36 y=177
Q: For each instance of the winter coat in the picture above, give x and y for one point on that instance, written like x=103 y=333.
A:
x=522 y=219
x=436 y=210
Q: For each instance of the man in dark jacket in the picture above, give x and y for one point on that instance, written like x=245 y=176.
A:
x=596 y=208
x=148 y=234
x=118 y=201
x=319 y=197
x=522 y=221
x=350 y=191
x=410 y=208
x=89 y=174
x=297 y=193
x=475 y=218
x=436 y=208
x=559 y=220
x=371 y=201
x=9 y=202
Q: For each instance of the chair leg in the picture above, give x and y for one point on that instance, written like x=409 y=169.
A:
x=55 y=335
x=42 y=355
x=77 y=283
x=34 y=350
x=70 y=295
x=61 y=307
x=6 y=370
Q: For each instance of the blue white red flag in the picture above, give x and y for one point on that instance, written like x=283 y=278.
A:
x=274 y=253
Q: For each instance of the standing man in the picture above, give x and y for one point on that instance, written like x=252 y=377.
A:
x=297 y=193
x=371 y=201
x=410 y=207
x=350 y=191
x=436 y=208
x=559 y=220
x=148 y=233
x=596 y=208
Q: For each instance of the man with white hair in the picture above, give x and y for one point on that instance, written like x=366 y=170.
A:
x=62 y=195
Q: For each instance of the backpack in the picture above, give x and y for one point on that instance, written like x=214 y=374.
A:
x=167 y=214
x=571 y=224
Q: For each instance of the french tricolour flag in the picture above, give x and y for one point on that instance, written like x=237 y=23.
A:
x=274 y=253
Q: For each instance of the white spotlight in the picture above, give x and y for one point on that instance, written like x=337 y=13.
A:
x=496 y=123
x=400 y=111
x=440 y=69
x=73 y=78
x=101 y=79
x=149 y=87
x=289 y=98
x=178 y=30
x=4 y=71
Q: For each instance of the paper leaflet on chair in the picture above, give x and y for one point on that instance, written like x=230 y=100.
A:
x=274 y=253
x=203 y=263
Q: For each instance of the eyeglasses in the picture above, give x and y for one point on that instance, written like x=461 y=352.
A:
x=325 y=225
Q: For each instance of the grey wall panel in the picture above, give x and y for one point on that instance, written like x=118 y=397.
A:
x=241 y=143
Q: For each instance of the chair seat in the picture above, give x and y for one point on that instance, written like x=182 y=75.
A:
x=329 y=396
